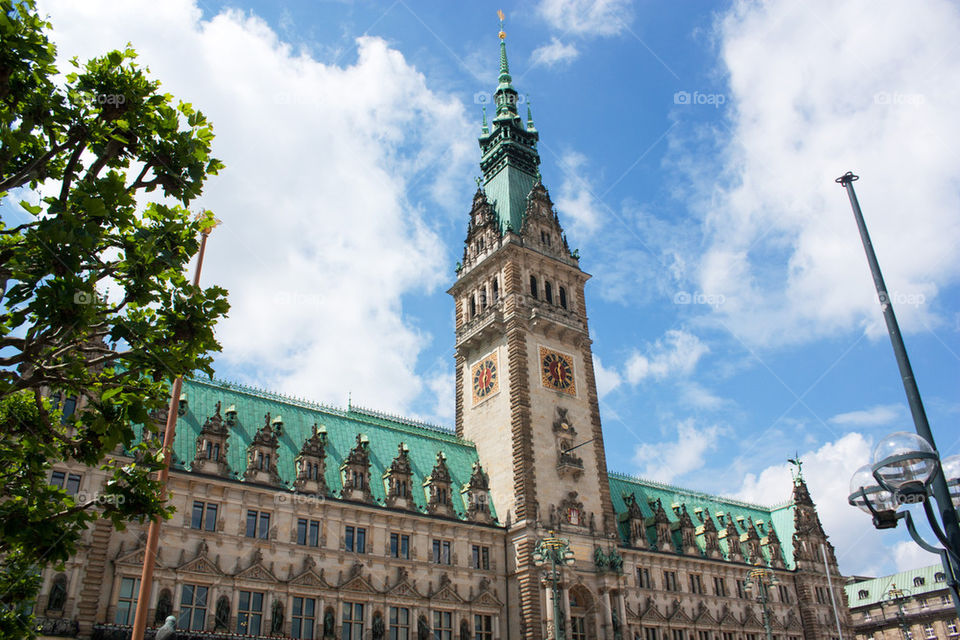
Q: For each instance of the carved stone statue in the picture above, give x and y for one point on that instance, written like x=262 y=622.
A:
x=58 y=593
x=328 y=624
x=168 y=631
x=164 y=607
x=222 y=618
x=378 y=627
x=276 y=618
x=423 y=629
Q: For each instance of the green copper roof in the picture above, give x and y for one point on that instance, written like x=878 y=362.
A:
x=384 y=432
x=913 y=583
x=509 y=158
x=648 y=492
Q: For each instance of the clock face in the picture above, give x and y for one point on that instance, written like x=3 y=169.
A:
x=485 y=378
x=556 y=371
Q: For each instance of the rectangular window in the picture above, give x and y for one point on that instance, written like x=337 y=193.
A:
x=352 y=621
x=399 y=623
x=127 y=601
x=250 y=612
x=727 y=635
x=696 y=583
x=355 y=539
x=482 y=627
x=784 y=593
x=303 y=619
x=928 y=630
x=481 y=557
x=400 y=545
x=308 y=532
x=643 y=578
x=204 y=516
x=703 y=635
x=441 y=551
x=720 y=586
x=442 y=625
x=670 y=581
x=69 y=482
x=741 y=591
x=193 y=607
x=258 y=524
x=650 y=633
x=677 y=634
x=952 y=628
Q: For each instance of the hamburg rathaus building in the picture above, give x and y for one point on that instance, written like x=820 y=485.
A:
x=302 y=520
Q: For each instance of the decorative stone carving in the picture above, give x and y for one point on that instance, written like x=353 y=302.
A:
x=571 y=511
x=437 y=485
x=398 y=480
x=711 y=540
x=476 y=495
x=661 y=525
x=311 y=464
x=262 y=456
x=688 y=538
x=637 y=529
x=568 y=464
x=212 y=444
x=355 y=472
x=734 y=552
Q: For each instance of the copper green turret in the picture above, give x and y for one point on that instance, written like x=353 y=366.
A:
x=509 y=158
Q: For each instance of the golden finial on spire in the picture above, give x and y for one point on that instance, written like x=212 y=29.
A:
x=502 y=32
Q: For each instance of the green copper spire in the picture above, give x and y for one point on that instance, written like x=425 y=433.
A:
x=484 y=129
x=509 y=158
x=530 y=126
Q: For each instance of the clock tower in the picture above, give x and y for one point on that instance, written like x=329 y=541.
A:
x=525 y=383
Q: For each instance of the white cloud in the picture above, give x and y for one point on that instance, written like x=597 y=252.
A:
x=555 y=53
x=872 y=417
x=860 y=548
x=696 y=395
x=677 y=353
x=580 y=211
x=587 y=17
x=909 y=555
x=319 y=241
x=607 y=379
x=782 y=244
x=666 y=461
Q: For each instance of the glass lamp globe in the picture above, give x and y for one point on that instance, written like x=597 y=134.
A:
x=880 y=499
x=903 y=458
x=951 y=472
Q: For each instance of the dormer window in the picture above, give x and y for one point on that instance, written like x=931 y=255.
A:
x=231 y=415
x=863 y=594
x=918 y=581
x=182 y=406
x=277 y=425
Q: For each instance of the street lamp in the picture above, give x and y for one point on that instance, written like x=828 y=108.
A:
x=895 y=596
x=556 y=551
x=763 y=578
x=906 y=468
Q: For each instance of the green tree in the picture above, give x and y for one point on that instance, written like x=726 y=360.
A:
x=96 y=304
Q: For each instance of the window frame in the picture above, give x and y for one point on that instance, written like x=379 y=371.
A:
x=400 y=545
x=249 y=614
x=130 y=610
x=299 y=619
x=193 y=607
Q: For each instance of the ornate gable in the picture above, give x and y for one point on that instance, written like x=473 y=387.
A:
x=311 y=464
x=355 y=471
x=212 y=445
x=437 y=485
x=262 y=456
x=257 y=570
x=403 y=587
x=134 y=557
x=201 y=563
x=650 y=613
x=398 y=480
x=476 y=494
x=446 y=592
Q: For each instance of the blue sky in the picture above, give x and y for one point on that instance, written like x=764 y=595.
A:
x=691 y=155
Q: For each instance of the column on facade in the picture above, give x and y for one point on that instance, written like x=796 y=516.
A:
x=496 y=627
x=622 y=607
x=551 y=623
x=566 y=609
x=607 y=613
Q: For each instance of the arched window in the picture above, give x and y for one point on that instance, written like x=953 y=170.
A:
x=473 y=306
x=939 y=577
x=496 y=290
x=548 y=292
x=563 y=297
x=863 y=594
x=918 y=581
x=533 y=287
x=58 y=593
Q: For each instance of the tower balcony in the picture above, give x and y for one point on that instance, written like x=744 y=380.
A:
x=487 y=323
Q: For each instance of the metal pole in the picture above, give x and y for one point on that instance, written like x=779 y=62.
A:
x=153 y=533
x=948 y=515
x=833 y=600
x=556 y=610
x=763 y=602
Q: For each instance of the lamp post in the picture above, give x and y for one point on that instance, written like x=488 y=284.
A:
x=169 y=432
x=556 y=551
x=762 y=578
x=895 y=597
x=906 y=468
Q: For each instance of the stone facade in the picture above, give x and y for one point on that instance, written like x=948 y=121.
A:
x=301 y=520
x=910 y=605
